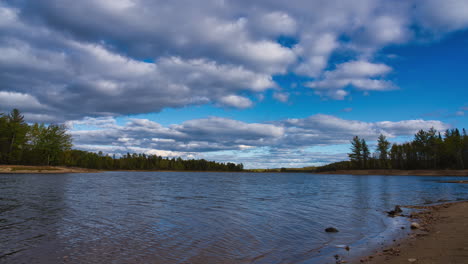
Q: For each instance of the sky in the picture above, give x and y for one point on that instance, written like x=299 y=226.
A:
x=266 y=83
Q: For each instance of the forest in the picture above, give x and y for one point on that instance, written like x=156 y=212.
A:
x=39 y=144
x=429 y=149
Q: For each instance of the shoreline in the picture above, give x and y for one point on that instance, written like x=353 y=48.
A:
x=25 y=169
x=32 y=169
x=441 y=237
x=460 y=173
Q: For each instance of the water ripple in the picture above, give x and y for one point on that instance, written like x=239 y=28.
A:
x=170 y=217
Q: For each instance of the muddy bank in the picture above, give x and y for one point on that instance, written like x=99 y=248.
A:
x=42 y=169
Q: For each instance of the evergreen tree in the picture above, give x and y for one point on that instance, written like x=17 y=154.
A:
x=365 y=154
x=16 y=136
x=4 y=142
x=356 y=152
x=383 y=147
x=428 y=150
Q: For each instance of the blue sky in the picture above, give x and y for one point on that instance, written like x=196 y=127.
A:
x=432 y=79
x=269 y=84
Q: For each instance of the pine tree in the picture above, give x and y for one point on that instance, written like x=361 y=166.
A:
x=16 y=136
x=383 y=147
x=365 y=154
x=356 y=152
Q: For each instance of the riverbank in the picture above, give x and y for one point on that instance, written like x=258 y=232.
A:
x=21 y=169
x=441 y=238
x=401 y=172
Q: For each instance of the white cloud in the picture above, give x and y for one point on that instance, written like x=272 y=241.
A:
x=357 y=69
x=276 y=23
x=282 y=97
x=409 y=127
x=315 y=49
x=361 y=75
x=442 y=16
x=10 y=100
x=236 y=101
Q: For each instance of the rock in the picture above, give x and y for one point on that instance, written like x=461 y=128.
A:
x=395 y=212
x=415 y=225
x=398 y=209
x=331 y=230
x=412 y=260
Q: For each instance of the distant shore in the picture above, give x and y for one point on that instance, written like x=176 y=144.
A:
x=24 y=169
x=441 y=237
x=401 y=172
x=21 y=169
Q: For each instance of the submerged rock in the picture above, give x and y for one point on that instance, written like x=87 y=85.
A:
x=395 y=212
x=331 y=230
x=398 y=209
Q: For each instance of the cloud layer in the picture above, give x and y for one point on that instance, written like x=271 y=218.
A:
x=63 y=59
x=283 y=141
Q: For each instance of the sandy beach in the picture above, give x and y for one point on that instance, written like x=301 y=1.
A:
x=441 y=239
x=42 y=169
x=401 y=172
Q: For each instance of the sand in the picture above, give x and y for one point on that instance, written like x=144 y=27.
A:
x=42 y=169
x=401 y=172
x=442 y=238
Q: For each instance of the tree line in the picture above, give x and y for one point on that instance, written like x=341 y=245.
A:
x=38 y=144
x=429 y=149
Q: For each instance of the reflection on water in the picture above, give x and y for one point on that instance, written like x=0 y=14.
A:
x=179 y=217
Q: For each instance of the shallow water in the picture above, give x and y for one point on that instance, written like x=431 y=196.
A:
x=188 y=217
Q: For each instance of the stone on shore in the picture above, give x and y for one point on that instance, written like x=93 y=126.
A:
x=415 y=225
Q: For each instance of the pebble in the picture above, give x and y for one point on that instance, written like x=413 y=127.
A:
x=415 y=225
x=412 y=260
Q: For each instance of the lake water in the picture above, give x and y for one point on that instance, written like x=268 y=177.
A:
x=188 y=217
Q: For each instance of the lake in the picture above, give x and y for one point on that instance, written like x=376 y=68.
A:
x=199 y=217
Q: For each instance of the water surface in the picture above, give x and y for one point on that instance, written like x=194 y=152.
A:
x=187 y=217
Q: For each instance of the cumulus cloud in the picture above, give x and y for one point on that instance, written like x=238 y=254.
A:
x=276 y=23
x=362 y=75
x=10 y=100
x=282 y=97
x=442 y=16
x=236 y=101
x=158 y=54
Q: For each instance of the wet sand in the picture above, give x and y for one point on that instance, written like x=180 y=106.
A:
x=442 y=238
x=401 y=172
x=21 y=169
